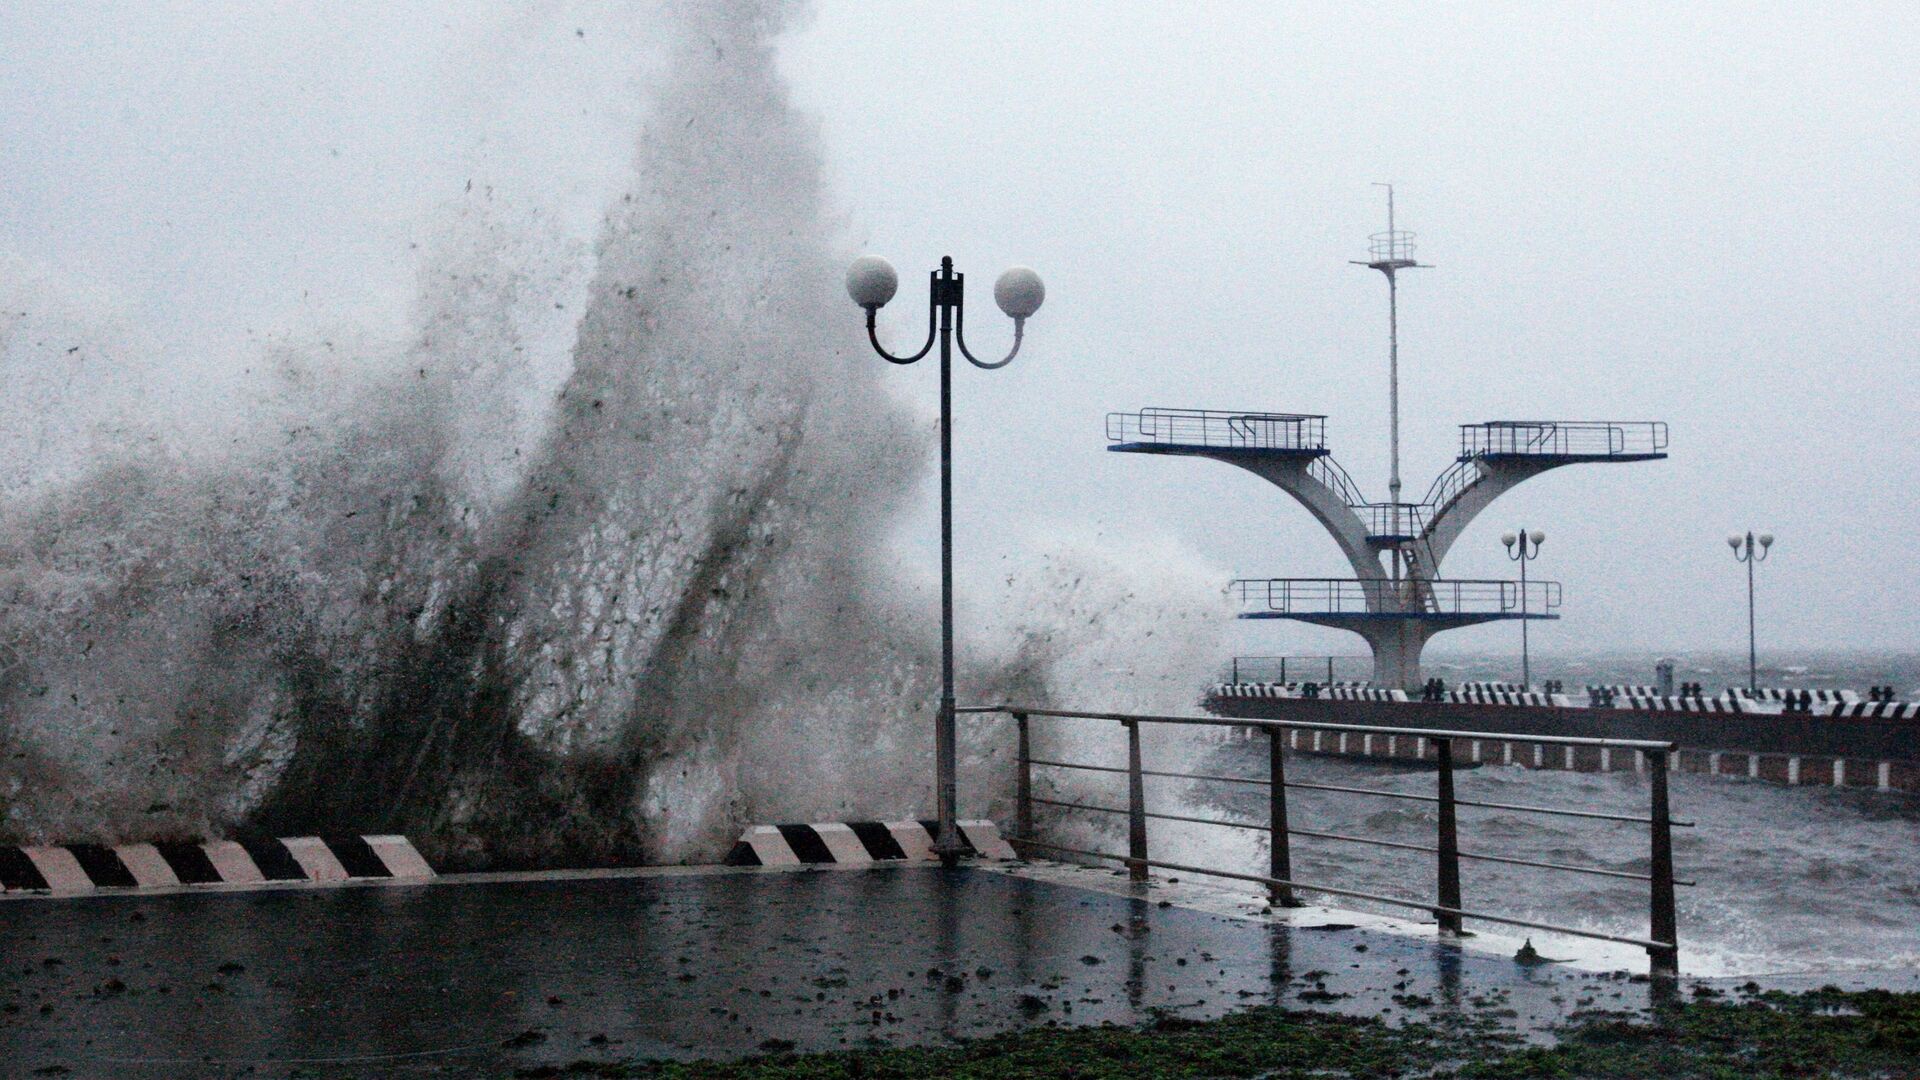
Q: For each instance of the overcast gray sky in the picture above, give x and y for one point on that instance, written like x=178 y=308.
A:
x=1697 y=213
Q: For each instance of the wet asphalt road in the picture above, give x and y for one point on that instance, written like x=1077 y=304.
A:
x=486 y=979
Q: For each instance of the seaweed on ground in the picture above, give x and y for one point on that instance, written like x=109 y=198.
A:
x=1763 y=1035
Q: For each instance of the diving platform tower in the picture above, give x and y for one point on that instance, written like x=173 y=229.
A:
x=1396 y=599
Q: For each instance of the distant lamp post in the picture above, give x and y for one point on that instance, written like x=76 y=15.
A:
x=871 y=282
x=1518 y=550
x=1744 y=551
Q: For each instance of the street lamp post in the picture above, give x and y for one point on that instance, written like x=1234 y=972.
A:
x=1517 y=550
x=1744 y=551
x=871 y=281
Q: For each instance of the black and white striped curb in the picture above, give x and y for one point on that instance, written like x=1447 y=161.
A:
x=857 y=843
x=84 y=868
x=1253 y=690
x=1776 y=693
x=1631 y=698
x=1362 y=693
x=1684 y=704
x=1474 y=695
x=1298 y=690
x=1892 y=710
x=1623 y=691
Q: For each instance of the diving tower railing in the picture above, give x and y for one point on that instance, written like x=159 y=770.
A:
x=1353 y=668
x=1487 y=598
x=1331 y=473
x=1540 y=442
x=1398 y=606
x=1219 y=429
x=1584 y=439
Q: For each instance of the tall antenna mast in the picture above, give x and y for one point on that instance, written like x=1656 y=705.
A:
x=1392 y=252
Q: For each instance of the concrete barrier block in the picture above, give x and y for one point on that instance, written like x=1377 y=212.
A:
x=402 y=860
x=232 y=863
x=315 y=859
x=769 y=847
x=148 y=867
x=840 y=841
x=60 y=869
x=985 y=838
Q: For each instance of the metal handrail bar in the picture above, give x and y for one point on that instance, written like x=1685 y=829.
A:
x=1364 y=791
x=1456 y=478
x=1401 y=845
x=1396 y=844
x=1568 y=813
x=1302 y=725
x=1153 y=772
x=1600 y=871
x=1335 y=476
x=1283 y=883
x=1594 y=814
x=1079 y=806
x=1649 y=424
x=1151 y=814
x=1570 y=868
x=1257 y=666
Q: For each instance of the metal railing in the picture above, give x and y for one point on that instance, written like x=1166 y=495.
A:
x=1392 y=245
x=1408 y=520
x=1447 y=907
x=1334 y=476
x=1212 y=427
x=1438 y=596
x=1579 y=438
x=1458 y=477
x=1352 y=670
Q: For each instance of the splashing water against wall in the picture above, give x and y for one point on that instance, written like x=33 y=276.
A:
x=668 y=617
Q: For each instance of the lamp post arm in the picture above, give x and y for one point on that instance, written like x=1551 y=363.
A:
x=960 y=338
x=873 y=335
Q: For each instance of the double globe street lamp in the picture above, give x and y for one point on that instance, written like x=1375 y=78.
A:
x=871 y=281
x=1744 y=551
x=1517 y=550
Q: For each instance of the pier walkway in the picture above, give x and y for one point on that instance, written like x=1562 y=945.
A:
x=488 y=974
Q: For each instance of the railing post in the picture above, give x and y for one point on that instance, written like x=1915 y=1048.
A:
x=1236 y=669
x=1023 y=792
x=1280 y=853
x=1136 y=807
x=1329 y=671
x=1665 y=928
x=1283 y=670
x=1449 y=843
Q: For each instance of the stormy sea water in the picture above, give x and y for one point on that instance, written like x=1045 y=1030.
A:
x=1788 y=880
x=1800 y=669
x=1716 y=670
x=609 y=608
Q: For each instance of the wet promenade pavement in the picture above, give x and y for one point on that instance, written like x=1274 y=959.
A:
x=485 y=979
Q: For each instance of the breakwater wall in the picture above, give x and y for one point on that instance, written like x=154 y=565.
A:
x=1874 y=752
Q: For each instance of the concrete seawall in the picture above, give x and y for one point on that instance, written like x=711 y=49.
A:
x=1855 y=752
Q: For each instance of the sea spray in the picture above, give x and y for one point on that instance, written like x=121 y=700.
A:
x=1088 y=624
x=403 y=595
x=70 y=366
